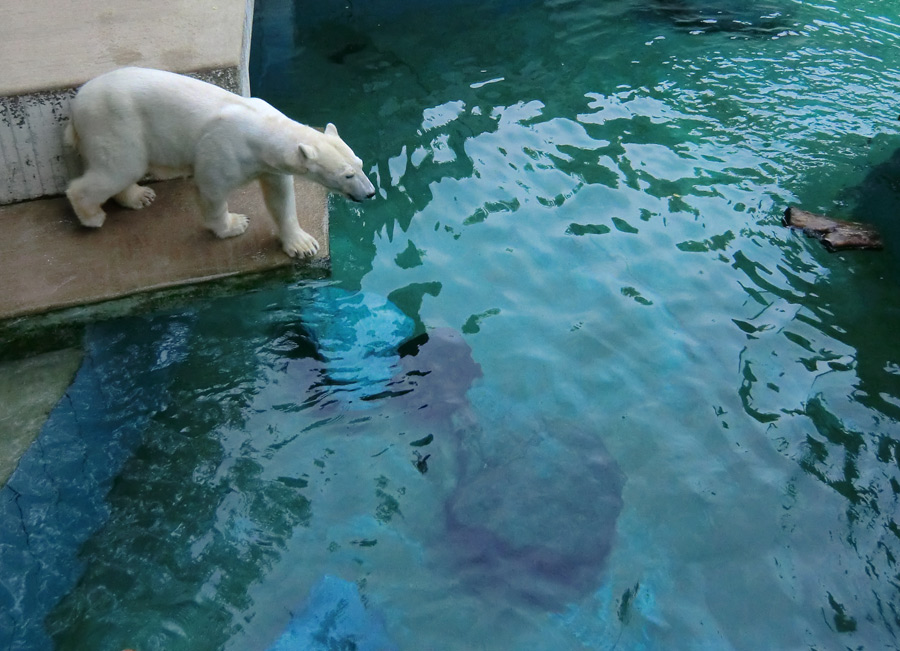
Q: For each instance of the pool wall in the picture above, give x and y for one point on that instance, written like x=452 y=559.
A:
x=49 y=49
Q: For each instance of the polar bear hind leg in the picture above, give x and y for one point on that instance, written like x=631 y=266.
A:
x=109 y=172
x=231 y=225
x=135 y=197
x=89 y=192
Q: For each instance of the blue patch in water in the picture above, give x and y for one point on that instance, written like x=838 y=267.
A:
x=334 y=618
x=357 y=335
x=55 y=499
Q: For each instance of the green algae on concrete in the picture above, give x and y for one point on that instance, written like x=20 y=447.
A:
x=29 y=389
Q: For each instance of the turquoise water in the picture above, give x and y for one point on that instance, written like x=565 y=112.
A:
x=632 y=411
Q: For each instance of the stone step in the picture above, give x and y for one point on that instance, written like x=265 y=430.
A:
x=49 y=261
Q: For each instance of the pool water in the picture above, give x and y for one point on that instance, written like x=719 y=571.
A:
x=571 y=383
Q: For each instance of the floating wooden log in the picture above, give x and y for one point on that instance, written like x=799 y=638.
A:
x=835 y=234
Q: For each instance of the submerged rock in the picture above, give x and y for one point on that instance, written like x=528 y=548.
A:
x=835 y=234
x=29 y=389
x=56 y=497
x=536 y=526
x=532 y=517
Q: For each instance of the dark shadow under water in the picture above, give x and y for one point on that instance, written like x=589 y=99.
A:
x=532 y=517
x=738 y=18
x=876 y=201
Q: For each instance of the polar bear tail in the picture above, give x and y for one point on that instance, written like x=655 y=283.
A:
x=70 y=137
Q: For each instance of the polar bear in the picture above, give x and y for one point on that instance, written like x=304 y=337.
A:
x=134 y=121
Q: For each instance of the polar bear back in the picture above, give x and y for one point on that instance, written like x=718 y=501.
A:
x=161 y=114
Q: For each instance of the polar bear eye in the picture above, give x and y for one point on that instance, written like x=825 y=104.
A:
x=349 y=175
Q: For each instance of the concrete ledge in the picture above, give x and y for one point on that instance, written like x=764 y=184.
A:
x=49 y=261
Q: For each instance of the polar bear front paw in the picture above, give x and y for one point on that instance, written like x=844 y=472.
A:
x=301 y=245
x=136 y=197
x=232 y=226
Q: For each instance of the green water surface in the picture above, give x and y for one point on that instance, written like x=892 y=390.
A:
x=591 y=194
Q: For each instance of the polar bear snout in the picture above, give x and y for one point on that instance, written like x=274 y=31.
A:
x=368 y=195
x=361 y=190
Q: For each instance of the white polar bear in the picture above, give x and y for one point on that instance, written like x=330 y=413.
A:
x=134 y=121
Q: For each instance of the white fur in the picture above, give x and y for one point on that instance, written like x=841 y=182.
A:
x=132 y=121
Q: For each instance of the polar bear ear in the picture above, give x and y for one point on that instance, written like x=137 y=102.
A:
x=308 y=151
x=330 y=130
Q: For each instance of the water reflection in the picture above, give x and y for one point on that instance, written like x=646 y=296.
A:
x=226 y=474
x=599 y=203
x=807 y=378
x=877 y=198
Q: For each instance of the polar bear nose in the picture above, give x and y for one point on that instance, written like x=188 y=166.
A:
x=370 y=195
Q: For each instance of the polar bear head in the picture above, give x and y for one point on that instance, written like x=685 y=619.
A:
x=328 y=160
